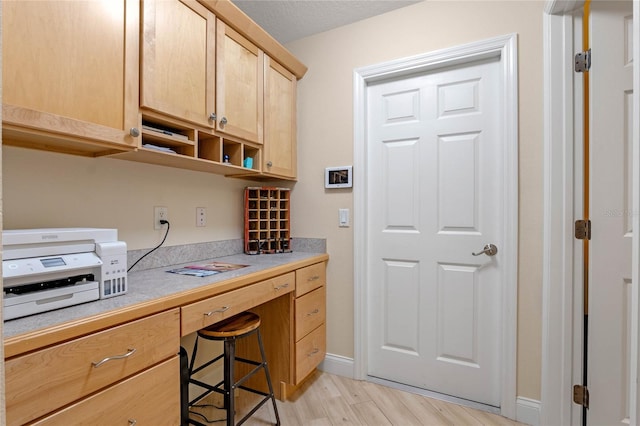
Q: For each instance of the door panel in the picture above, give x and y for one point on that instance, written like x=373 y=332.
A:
x=435 y=172
x=610 y=198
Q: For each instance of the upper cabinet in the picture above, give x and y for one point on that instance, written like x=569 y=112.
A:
x=279 y=121
x=177 y=74
x=70 y=75
x=192 y=84
x=239 y=80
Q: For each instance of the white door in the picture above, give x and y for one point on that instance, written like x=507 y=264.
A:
x=610 y=213
x=435 y=196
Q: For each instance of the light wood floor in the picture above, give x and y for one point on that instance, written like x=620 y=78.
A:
x=326 y=399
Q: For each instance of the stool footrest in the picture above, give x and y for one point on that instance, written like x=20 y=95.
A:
x=206 y=364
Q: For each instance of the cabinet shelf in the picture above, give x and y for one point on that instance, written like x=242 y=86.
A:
x=267 y=220
x=169 y=142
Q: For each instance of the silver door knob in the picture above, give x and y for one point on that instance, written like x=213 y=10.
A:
x=489 y=250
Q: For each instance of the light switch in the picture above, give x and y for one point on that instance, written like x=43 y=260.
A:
x=343 y=218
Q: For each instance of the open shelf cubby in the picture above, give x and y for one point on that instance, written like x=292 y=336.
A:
x=171 y=142
x=267 y=220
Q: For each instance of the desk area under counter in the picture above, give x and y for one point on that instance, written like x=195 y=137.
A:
x=158 y=310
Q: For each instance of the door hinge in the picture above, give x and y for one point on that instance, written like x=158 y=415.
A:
x=582 y=229
x=583 y=61
x=581 y=395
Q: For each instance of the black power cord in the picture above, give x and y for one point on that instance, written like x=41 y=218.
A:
x=162 y=222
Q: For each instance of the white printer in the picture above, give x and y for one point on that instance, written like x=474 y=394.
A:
x=46 y=269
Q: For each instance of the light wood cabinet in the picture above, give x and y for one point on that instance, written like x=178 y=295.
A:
x=177 y=75
x=149 y=398
x=70 y=75
x=310 y=312
x=280 y=147
x=199 y=315
x=43 y=381
x=310 y=352
x=310 y=320
x=309 y=278
x=239 y=85
x=180 y=83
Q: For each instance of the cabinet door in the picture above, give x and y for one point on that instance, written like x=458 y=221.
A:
x=178 y=53
x=70 y=69
x=280 y=155
x=239 y=81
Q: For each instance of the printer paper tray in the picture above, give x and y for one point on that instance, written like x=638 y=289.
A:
x=21 y=305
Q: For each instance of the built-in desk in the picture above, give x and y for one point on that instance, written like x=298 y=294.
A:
x=50 y=358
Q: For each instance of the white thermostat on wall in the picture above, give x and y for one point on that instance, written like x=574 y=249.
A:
x=338 y=177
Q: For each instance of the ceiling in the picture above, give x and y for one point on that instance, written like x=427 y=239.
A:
x=289 y=20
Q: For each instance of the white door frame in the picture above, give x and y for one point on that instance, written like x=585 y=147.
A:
x=504 y=48
x=561 y=326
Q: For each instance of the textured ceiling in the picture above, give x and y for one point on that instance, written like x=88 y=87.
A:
x=288 y=20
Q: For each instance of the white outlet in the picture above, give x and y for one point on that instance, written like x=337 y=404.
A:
x=201 y=216
x=159 y=213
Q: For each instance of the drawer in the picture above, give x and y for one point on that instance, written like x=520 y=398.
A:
x=149 y=398
x=310 y=311
x=43 y=381
x=310 y=352
x=202 y=314
x=310 y=278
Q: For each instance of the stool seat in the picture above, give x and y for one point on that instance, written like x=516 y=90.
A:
x=235 y=326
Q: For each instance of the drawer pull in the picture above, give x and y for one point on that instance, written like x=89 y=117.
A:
x=314 y=278
x=285 y=285
x=133 y=422
x=111 y=358
x=315 y=311
x=313 y=352
x=217 y=311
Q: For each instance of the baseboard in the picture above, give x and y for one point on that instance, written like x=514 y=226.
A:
x=338 y=365
x=528 y=411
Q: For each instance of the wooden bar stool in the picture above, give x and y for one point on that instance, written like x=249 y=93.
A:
x=228 y=331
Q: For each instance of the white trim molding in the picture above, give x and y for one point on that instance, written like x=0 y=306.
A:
x=558 y=244
x=504 y=48
x=634 y=394
x=528 y=411
x=338 y=365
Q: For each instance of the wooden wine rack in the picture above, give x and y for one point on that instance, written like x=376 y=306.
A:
x=267 y=220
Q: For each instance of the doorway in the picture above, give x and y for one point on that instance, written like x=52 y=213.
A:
x=610 y=319
x=462 y=274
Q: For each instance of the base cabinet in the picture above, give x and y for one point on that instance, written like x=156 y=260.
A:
x=310 y=320
x=149 y=398
x=130 y=373
x=44 y=381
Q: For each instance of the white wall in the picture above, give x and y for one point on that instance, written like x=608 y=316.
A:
x=325 y=111
x=44 y=189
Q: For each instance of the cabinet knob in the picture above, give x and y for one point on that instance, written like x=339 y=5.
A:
x=223 y=121
x=213 y=116
x=134 y=131
x=269 y=164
